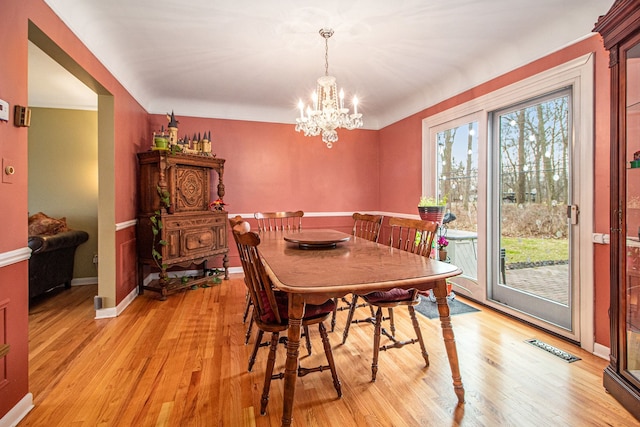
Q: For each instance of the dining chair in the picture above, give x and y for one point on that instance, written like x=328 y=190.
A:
x=365 y=226
x=239 y=225
x=272 y=221
x=277 y=221
x=415 y=236
x=270 y=314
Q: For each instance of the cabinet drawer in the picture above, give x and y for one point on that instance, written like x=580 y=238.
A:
x=192 y=237
x=198 y=240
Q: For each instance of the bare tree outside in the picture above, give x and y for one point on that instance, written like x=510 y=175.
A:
x=534 y=167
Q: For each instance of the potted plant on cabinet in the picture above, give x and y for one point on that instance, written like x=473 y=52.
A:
x=430 y=209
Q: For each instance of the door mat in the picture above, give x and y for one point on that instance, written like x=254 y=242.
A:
x=430 y=309
x=553 y=350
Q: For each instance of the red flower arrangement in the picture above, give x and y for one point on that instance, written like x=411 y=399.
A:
x=217 y=205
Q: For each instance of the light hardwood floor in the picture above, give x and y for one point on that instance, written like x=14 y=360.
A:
x=183 y=362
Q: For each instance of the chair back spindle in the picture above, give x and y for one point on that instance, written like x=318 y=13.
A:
x=412 y=235
x=279 y=221
x=366 y=226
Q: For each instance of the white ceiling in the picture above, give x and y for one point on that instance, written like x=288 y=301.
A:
x=253 y=60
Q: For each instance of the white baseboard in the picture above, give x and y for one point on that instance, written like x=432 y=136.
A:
x=84 y=281
x=601 y=351
x=106 y=313
x=18 y=412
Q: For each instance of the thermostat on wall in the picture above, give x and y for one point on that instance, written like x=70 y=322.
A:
x=4 y=110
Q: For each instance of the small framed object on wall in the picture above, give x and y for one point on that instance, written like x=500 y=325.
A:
x=21 y=116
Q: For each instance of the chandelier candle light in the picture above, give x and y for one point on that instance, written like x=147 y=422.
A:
x=327 y=112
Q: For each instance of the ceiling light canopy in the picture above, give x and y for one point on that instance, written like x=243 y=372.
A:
x=327 y=112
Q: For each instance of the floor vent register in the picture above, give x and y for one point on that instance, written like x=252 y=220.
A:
x=553 y=350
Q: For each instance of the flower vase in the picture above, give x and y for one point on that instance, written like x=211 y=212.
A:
x=442 y=255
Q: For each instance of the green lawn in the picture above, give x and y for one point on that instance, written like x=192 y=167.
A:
x=533 y=249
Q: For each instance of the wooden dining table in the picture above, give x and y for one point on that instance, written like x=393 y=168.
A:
x=313 y=266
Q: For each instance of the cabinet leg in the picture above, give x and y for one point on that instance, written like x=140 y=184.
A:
x=140 y=279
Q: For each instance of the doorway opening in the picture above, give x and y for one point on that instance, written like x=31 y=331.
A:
x=103 y=159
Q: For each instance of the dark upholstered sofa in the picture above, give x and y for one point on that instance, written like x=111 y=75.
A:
x=51 y=262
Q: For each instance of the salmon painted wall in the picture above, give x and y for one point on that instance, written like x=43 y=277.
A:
x=131 y=126
x=270 y=167
x=14 y=368
x=401 y=182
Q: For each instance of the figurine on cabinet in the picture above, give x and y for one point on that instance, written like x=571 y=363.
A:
x=199 y=145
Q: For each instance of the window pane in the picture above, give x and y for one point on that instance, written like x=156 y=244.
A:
x=457 y=173
x=534 y=185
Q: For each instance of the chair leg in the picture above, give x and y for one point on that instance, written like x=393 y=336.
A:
x=333 y=315
x=271 y=361
x=308 y=340
x=247 y=305
x=416 y=327
x=352 y=309
x=376 y=344
x=329 y=354
x=392 y=324
x=248 y=334
x=252 y=358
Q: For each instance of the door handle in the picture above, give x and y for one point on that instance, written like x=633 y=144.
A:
x=572 y=214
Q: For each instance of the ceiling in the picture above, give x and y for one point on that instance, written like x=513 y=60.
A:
x=253 y=60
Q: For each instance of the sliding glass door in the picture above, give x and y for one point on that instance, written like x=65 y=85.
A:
x=534 y=217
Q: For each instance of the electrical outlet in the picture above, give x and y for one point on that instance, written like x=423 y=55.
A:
x=8 y=171
x=95 y=259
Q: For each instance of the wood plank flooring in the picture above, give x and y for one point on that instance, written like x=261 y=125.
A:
x=183 y=362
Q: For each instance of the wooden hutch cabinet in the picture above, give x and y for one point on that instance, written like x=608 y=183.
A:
x=620 y=29
x=194 y=234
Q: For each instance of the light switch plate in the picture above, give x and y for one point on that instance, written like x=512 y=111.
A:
x=4 y=110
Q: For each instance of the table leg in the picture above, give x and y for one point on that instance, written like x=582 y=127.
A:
x=440 y=292
x=296 y=311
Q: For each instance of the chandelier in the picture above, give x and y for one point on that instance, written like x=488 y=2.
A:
x=327 y=112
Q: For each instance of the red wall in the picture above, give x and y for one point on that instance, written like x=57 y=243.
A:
x=270 y=167
x=13 y=224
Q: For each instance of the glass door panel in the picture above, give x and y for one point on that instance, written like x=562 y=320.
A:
x=531 y=268
x=457 y=182
x=633 y=214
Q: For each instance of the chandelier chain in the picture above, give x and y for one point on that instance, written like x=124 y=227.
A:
x=326 y=33
x=326 y=56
